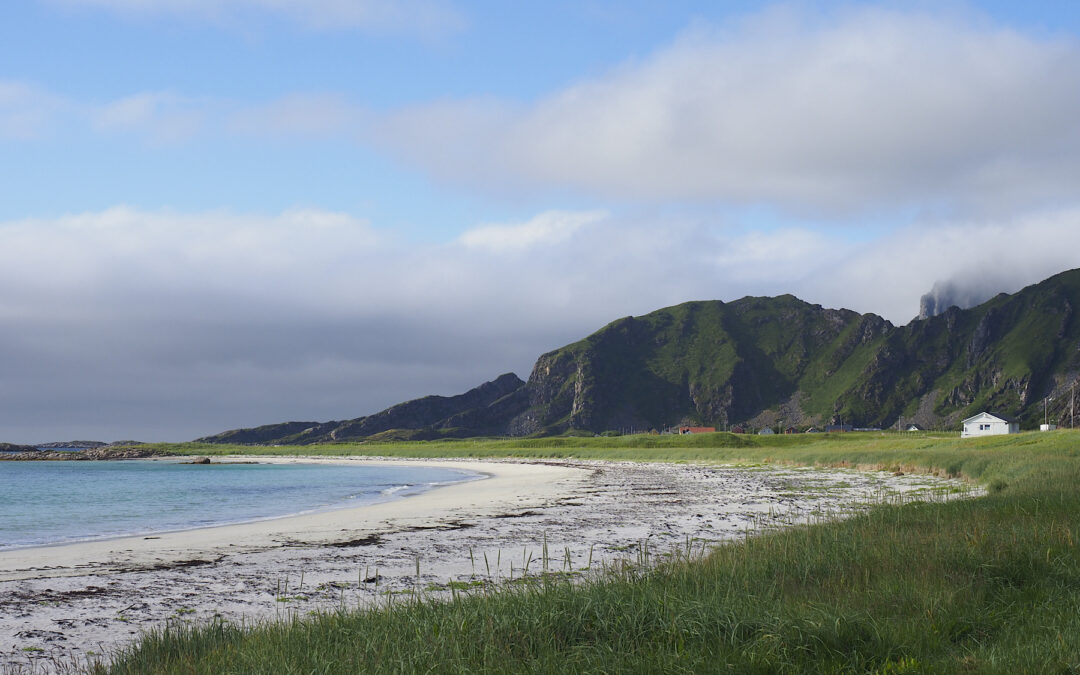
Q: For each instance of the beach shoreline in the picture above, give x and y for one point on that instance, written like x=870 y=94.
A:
x=75 y=602
x=504 y=486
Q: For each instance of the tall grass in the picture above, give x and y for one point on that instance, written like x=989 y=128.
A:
x=982 y=585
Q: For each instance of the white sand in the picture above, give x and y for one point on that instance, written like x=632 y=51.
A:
x=65 y=603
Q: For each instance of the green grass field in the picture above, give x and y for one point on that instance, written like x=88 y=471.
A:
x=981 y=585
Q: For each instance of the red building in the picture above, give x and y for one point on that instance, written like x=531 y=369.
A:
x=696 y=430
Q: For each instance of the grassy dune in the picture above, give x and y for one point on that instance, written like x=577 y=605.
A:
x=983 y=585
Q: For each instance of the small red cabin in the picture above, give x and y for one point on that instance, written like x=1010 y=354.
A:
x=696 y=430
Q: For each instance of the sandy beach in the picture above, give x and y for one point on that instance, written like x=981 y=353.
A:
x=63 y=604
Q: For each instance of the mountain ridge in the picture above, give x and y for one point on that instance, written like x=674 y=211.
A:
x=759 y=361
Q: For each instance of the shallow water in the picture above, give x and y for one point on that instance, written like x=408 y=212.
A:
x=45 y=503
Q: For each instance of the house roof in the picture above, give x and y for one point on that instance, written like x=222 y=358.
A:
x=1001 y=418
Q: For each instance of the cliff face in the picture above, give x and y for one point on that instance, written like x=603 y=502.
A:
x=761 y=360
x=702 y=362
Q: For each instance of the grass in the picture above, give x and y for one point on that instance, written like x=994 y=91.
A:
x=981 y=585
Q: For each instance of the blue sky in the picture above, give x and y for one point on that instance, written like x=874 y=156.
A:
x=217 y=213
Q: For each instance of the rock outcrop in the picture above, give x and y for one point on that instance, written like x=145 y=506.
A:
x=12 y=448
x=92 y=453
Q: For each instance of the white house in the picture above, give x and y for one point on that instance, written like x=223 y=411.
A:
x=985 y=424
x=766 y=431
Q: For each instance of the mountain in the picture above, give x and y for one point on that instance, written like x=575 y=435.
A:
x=762 y=361
x=437 y=414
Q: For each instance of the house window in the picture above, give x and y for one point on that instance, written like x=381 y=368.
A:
x=984 y=427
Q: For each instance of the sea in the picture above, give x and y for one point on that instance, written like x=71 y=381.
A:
x=48 y=503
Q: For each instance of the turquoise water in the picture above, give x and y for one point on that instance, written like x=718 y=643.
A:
x=45 y=503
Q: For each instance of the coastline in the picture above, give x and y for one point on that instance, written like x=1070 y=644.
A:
x=503 y=486
x=66 y=604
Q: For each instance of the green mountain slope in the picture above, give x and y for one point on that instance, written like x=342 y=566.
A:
x=703 y=362
x=762 y=361
x=433 y=414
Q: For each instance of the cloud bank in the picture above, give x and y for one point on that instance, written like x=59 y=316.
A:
x=163 y=325
x=872 y=109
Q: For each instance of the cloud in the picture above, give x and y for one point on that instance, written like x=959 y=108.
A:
x=123 y=320
x=27 y=112
x=862 y=110
x=30 y=112
x=161 y=117
x=889 y=274
x=94 y=257
x=551 y=227
x=421 y=17
x=165 y=325
x=857 y=113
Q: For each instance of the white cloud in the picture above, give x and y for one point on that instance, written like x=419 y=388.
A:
x=98 y=261
x=29 y=112
x=888 y=275
x=422 y=17
x=550 y=227
x=780 y=259
x=162 y=117
x=26 y=112
x=871 y=108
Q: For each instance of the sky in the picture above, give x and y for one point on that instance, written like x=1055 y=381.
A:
x=224 y=213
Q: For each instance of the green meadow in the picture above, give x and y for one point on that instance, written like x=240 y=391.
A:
x=990 y=584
